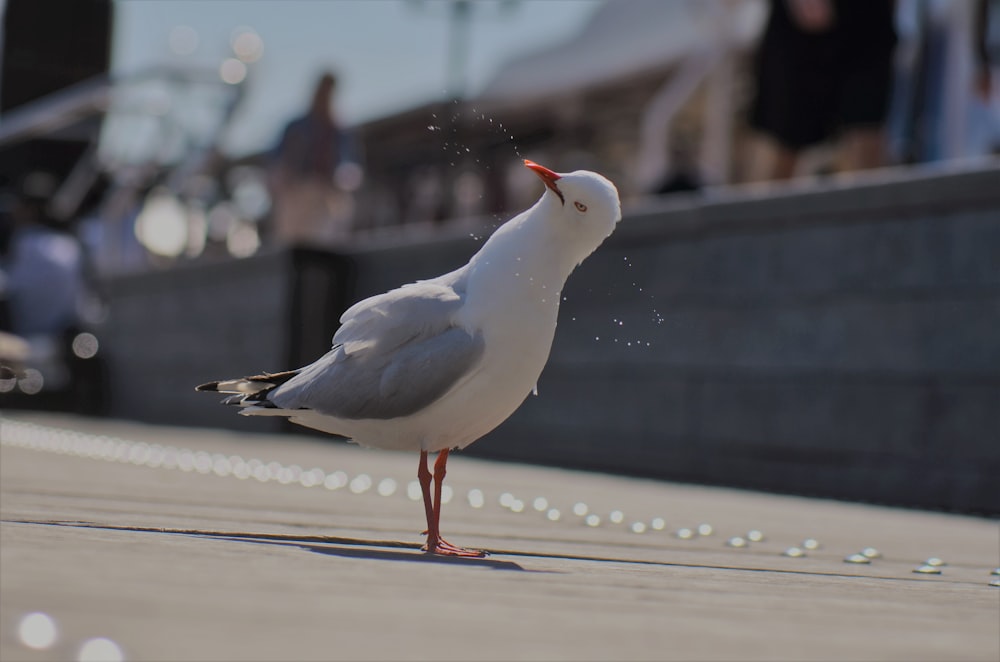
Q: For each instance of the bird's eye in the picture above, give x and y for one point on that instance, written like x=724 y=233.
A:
x=580 y=206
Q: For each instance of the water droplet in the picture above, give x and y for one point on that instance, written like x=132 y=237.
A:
x=810 y=543
x=737 y=542
x=506 y=499
x=517 y=506
x=540 y=504
x=794 y=552
x=685 y=534
x=927 y=569
x=871 y=553
x=658 y=524
x=476 y=498
x=553 y=514
x=755 y=536
x=413 y=491
x=616 y=516
x=705 y=530
x=996 y=571
x=593 y=520
x=638 y=527
x=580 y=509
x=995 y=582
x=857 y=558
x=935 y=562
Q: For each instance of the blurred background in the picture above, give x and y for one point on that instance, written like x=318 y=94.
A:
x=803 y=295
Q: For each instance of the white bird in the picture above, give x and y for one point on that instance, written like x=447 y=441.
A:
x=434 y=365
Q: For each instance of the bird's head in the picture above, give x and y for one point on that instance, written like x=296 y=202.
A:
x=587 y=203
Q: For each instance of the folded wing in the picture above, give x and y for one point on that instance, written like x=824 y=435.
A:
x=394 y=354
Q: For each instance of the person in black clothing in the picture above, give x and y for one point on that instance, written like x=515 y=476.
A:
x=824 y=69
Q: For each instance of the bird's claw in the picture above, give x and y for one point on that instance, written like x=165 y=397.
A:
x=445 y=548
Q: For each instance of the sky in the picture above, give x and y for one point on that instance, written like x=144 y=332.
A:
x=389 y=55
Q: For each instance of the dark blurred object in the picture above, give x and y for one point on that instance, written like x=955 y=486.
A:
x=824 y=70
x=682 y=176
x=47 y=47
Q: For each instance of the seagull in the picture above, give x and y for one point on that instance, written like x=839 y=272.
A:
x=434 y=365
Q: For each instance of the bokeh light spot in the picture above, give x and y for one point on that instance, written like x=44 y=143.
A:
x=32 y=382
x=232 y=71
x=37 y=630
x=100 y=649
x=85 y=345
x=183 y=40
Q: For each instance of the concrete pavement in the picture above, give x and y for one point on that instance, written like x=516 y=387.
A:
x=193 y=544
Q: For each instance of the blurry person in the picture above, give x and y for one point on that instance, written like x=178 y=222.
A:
x=42 y=266
x=44 y=283
x=824 y=70
x=944 y=106
x=313 y=174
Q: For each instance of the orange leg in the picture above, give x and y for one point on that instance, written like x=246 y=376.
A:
x=424 y=476
x=432 y=508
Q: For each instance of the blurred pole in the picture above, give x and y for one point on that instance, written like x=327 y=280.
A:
x=716 y=147
x=653 y=162
x=460 y=16
x=720 y=104
x=459 y=26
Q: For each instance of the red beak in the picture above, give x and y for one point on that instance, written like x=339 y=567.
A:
x=547 y=176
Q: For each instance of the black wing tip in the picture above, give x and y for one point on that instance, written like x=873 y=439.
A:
x=269 y=380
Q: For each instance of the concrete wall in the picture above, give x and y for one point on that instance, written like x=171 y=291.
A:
x=170 y=331
x=840 y=341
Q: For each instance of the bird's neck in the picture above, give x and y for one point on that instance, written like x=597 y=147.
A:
x=527 y=253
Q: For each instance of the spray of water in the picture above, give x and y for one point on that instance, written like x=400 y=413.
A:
x=456 y=147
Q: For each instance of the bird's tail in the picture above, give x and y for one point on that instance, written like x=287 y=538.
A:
x=247 y=391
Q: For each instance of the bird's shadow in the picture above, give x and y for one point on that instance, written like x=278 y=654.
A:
x=358 y=548
x=345 y=547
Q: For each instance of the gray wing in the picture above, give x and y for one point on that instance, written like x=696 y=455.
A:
x=414 y=310
x=395 y=354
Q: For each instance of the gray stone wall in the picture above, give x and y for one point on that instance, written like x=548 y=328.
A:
x=170 y=331
x=839 y=341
